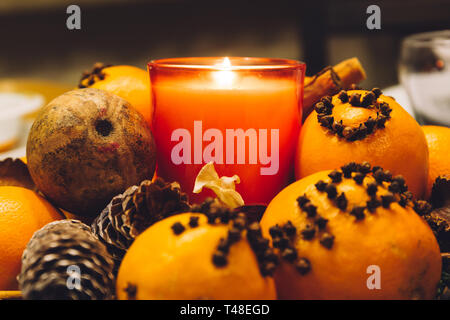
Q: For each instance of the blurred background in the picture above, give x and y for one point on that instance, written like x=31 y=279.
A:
x=36 y=44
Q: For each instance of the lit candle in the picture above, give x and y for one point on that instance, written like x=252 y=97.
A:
x=241 y=113
x=224 y=78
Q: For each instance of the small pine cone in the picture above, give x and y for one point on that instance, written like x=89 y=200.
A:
x=130 y=213
x=65 y=261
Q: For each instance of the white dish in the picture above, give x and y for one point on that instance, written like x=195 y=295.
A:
x=13 y=108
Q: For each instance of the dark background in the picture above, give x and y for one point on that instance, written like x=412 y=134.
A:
x=34 y=40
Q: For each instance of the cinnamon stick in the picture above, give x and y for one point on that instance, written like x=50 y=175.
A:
x=324 y=83
x=350 y=72
x=330 y=81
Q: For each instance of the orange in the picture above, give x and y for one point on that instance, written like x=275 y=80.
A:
x=162 y=265
x=22 y=212
x=438 y=139
x=345 y=252
x=129 y=83
x=399 y=147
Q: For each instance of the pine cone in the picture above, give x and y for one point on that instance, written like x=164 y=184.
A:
x=64 y=261
x=439 y=218
x=130 y=213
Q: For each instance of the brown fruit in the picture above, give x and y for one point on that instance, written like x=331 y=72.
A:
x=85 y=147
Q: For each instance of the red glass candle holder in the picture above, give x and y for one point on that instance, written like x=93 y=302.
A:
x=244 y=114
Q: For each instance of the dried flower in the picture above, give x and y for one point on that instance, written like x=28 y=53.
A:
x=302 y=200
x=331 y=191
x=289 y=254
x=224 y=245
x=321 y=222
x=310 y=209
x=343 y=96
x=381 y=120
x=355 y=99
x=326 y=100
x=193 y=222
x=289 y=229
x=275 y=231
x=337 y=127
x=368 y=99
x=372 y=188
x=219 y=259
x=280 y=242
x=373 y=204
x=387 y=199
x=178 y=228
x=358 y=212
x=239 y=223
x=327 y=240
x=377 y=92
x=370 y=124
x=270 y=255
x=303 y=266
x=267 y=268
x=341 y=201
x=348 y=169
x=309 y=232
x=131 y=291
x=326 y=121
x=385 y=109
x=234 y=235
x=336 y=176
x=359 y=177
x=321 y=185
x=364 y=167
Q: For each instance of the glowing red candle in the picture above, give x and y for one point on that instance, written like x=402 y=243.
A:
x=244 y=114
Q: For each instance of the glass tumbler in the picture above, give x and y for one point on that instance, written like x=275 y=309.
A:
x=424 y=71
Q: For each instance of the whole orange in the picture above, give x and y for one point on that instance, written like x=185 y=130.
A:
x=354 y=247
x=22 y=212
x=438 y=139
x=128 y=82
x=389 y=139
x=163 y=265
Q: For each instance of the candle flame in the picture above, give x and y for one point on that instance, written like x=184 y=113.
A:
x=226 y=63
x=225 y=76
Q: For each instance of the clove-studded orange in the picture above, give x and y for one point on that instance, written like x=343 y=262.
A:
x=360 y=125
x=190 y=256
x=352 y=233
